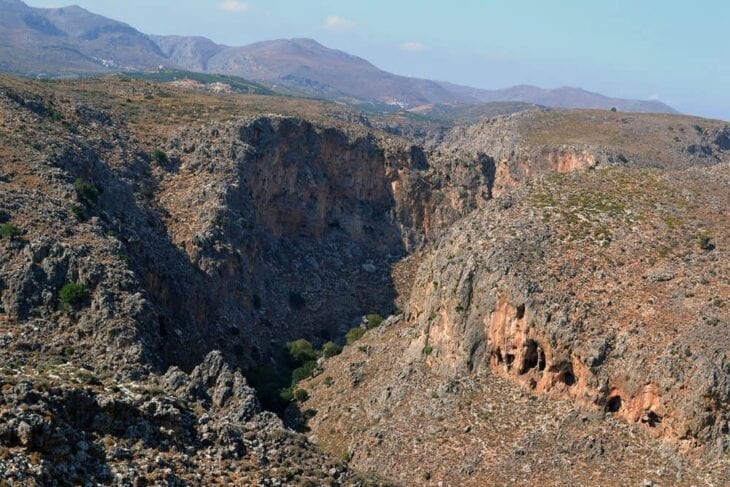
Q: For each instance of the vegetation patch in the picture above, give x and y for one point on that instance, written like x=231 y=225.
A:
x=72 y=294
x=354 y=335
x=87 y=192
x=9 y=231
x=159 y=156
x=373 y=320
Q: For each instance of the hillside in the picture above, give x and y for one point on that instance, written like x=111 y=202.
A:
x=161 y=244
x=69 y=41
x=564 y=97
x=72 y=42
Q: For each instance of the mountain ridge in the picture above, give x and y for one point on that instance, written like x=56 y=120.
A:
x=72 y=42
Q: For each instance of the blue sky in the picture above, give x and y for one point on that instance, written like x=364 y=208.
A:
x=678 y=52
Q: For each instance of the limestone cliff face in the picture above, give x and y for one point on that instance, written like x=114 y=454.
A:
x=295 y=226
x=579 y=319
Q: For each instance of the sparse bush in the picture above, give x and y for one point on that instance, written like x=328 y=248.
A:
x=159 y=156
x=9 y=231
x=354 y=335
x=303 y=372
x=427 y=350
x=704 y=239
x=301 y=351
x=330 y=349
x=72 y=294
x=374 y=320
x=300 y=395
x=79 y=212
x=87 y=192
x=286 y=394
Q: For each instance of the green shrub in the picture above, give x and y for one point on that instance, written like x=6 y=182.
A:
x=330 y=349
x=427 y=350
x=301 y=351
x=87 y=192
x=704 y=241
x=8 y=230
x=270 y=383
x=374 y=320
x=79 y=212
x=300 y=395
x=72 y=293
x=159 y=156
x=286 y=394
x=354 y=335
x=303 y=372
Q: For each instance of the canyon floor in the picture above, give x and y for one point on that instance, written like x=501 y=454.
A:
x=538 y=296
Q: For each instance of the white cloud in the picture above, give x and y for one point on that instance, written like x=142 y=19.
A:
x=334 y=22
x=233 y=6
x=412 y=46
x=654 y=96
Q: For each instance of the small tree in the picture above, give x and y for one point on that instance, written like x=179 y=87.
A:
x=330 y=349
x=72 y=294
x=374 y=320
x=354 y=335
x=87 y=192
x=301 y=351
x=79 y=212
x=300 y=395
x=159 y=156
x=303 y=372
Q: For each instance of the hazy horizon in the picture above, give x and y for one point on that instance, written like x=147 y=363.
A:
x=673 y=53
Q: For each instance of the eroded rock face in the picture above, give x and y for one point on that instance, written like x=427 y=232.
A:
x=505 y=292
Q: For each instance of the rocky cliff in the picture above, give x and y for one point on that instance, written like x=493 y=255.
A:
x=591 y=289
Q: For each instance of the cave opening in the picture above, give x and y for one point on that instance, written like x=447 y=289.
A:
x=534 y=357
x=520 y=312
x=613 y=405
x=510 y=359
x=566 y=376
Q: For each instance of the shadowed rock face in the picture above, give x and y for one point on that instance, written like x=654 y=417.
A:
x=249 y=233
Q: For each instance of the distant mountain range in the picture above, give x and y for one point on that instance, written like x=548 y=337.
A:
x=71 y=41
